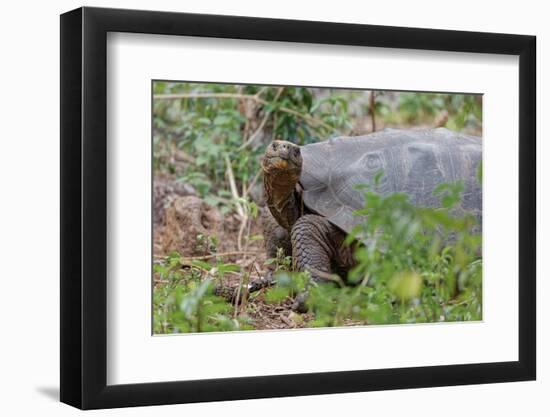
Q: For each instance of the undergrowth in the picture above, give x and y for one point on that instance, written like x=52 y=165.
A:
x=415 y=265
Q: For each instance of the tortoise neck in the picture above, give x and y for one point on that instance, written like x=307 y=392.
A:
x=282 y=198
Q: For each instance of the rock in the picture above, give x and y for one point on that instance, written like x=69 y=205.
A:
x=165 y=190
x=441 y=119
x=191 y=226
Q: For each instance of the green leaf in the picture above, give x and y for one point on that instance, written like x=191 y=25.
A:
x=406 y=285
x=201 y=264
x=276 y=295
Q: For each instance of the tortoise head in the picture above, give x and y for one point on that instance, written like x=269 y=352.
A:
x=282 y=157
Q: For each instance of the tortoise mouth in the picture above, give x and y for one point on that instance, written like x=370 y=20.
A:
x=277 y=157
x=280 y=162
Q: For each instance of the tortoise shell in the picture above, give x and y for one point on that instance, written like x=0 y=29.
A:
x=413 y=162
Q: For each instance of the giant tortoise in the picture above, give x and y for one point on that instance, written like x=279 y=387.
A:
x=311 y=190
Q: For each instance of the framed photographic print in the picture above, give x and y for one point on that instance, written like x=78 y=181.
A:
x=257 y=208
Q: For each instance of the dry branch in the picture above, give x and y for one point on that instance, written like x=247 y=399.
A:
x=233 y=187
x=179 y=96
x=252 y=183
x=216 y=255
x=258 y=131
x=307 y=117
x=372 y=110
x=222 y=254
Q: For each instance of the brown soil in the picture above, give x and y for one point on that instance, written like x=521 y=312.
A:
x=188 y=217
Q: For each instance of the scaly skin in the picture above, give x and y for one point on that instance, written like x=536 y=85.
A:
x=316 y=244
x=318 y=247
x=282 y=166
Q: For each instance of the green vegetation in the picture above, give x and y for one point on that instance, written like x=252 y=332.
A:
x=229 y=121
x=186 y=303
x=417 y=264
x=207 y=123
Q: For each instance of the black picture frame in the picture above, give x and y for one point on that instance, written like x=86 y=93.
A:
x=84 y=207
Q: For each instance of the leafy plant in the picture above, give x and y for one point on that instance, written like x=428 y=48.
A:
x=417 y=265
x=187 y=303
x=205 y=131
x=427 y=259
x=281 y=262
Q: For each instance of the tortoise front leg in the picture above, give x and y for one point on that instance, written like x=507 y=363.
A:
x=312 y=246
x=275 y=236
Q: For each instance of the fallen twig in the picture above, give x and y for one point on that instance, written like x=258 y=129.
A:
x=287 y=321
x=215 y=255
x=222 y=254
